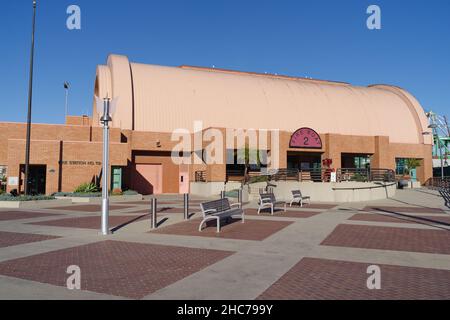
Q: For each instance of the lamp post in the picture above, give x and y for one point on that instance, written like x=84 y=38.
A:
x=30 y=99
x=105 y=119
x=66 y=87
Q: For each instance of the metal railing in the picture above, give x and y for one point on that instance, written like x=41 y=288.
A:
x=314 y=175
x=365 y=175
x=438 y=183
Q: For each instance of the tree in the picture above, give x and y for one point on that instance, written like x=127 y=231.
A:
x=248 y=156
x=411 y=164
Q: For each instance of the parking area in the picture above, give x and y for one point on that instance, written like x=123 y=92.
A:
x=319 y=251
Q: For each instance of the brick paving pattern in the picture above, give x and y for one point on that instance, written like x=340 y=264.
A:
x=316 y=206
x=390 y=238
x=142 y=202
x=329 y=279
x=250 y=230
x=404 y=209
x=91 y=222
x=281 y=213
x=21 y=215
x=90 y=208
x=400 y=218
x=117 y=268
x=9 y=239
x=161 y=211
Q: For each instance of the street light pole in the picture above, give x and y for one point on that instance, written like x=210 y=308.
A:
x=66 y=109
x=30 y=99
x=105 y=119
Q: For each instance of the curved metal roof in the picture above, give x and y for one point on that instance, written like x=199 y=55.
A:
x=162 y=99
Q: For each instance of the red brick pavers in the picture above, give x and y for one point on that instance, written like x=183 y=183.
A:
x=125 y=269
x=250 y=230
x=21 y=215
x=400 y=218
x=281 y=213
x=90 y=208
x=390 y=238
x=323 y=206
x=9 y=239
x=142 y=202
x=161 y=211
x=404 y=209
x=313 y=278
x=91 y=222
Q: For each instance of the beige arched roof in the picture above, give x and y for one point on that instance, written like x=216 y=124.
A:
x=162 y=99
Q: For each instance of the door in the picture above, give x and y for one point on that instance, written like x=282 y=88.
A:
x=184 y=179
x=148 y=179
x=116 y=178
x=37 y=178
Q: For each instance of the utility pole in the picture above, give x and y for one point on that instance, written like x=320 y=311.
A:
x=30 y=99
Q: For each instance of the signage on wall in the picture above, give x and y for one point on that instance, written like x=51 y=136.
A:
x=81 y=163
x=305 y=138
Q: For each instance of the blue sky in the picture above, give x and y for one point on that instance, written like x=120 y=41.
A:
x=319 y=39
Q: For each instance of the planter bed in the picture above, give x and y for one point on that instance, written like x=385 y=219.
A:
x=123 y=198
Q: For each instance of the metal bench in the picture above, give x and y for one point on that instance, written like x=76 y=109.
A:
x=298 y=197
x=268 y=200
x=219 y=210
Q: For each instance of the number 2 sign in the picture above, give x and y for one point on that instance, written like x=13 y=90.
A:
x=305 y=138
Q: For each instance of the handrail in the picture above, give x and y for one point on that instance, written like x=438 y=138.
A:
x=316 y=175
x=437 y=182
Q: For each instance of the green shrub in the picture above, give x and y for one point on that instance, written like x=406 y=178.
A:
x=8 y=197
x=359 y=178
x=257 y=179
x=79 y=195
x=87 y=188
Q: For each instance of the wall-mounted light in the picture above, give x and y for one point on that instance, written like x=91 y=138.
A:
x=158 y=144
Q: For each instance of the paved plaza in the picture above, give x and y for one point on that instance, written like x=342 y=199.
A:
x=320 y=251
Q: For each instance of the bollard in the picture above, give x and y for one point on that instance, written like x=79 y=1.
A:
x=222 y=194
x=154 y=208
x=186 y=206
x=240 y=198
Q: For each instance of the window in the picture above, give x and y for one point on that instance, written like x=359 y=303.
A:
x=400 y=166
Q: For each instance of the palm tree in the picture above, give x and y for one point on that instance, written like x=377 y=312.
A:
x=246 y=157
x=411 y=164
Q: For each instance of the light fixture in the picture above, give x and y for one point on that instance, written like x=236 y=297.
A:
x=105 y=108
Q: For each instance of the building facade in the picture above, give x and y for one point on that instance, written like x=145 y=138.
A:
x=378 y=126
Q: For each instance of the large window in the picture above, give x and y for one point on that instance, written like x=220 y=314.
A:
x=355 y=161
x=400 y=166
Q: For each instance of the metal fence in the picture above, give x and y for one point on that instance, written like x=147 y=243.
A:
x=365 y=175
x=438 y=183
x=314 y=175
